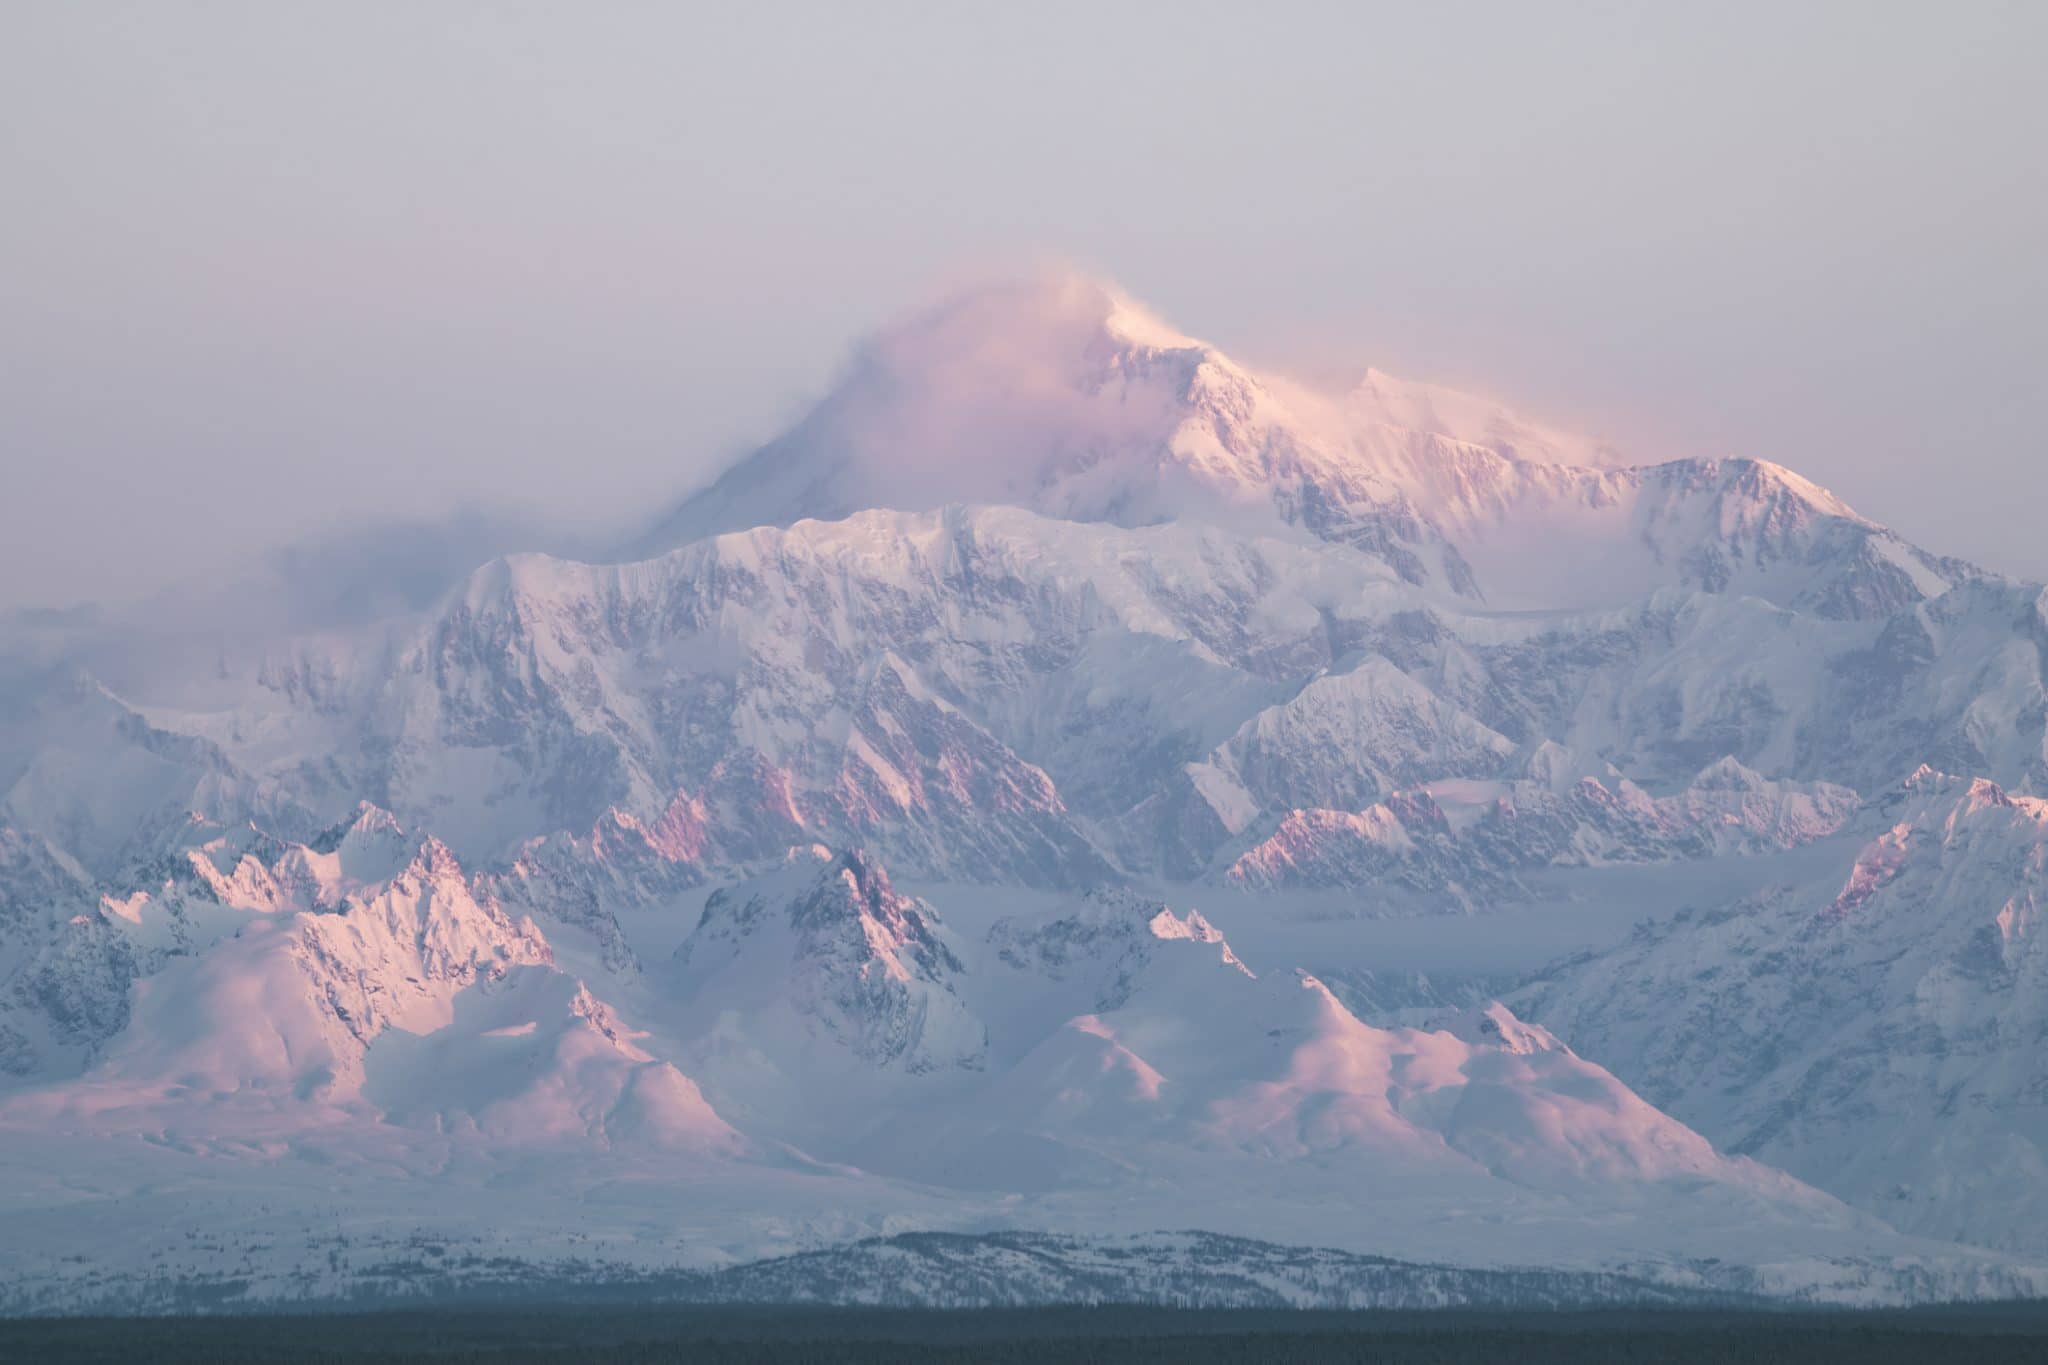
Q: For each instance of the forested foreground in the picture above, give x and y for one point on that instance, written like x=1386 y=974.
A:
x=786 y=1336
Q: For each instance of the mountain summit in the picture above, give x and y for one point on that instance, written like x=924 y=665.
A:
x=1059 y=394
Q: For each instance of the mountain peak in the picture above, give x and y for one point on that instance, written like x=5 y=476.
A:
x=866 y=970
x=828 y=904
x=367 y=821
x=1495 y=1025
x=1051 y=308
x=1058 y=394
x=1055 y=392
x=1192 y=926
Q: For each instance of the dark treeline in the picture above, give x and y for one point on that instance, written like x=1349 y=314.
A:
x=800 y=1336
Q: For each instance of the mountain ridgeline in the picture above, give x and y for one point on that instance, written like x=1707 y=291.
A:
x=824 y=870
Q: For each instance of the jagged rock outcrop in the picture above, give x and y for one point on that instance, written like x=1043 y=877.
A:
x=823 y=952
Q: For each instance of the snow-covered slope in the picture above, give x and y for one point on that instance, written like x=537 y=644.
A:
x=87 y=772
x=64 y=972
x=1177 y=1035
x=252 y=974
x=816 y=972
x=406 y=1033
x=534 y=1058
x=1127 y=602
x=1876 y=1028
x=250 y=983
x=1731 y=526
x=1059 y=612
x=1115 y=1041
x=986 y=694
x=1467 y=840
x=1059 y=394
x=623 y=866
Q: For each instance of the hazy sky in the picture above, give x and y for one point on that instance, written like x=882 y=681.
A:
x=270 y=270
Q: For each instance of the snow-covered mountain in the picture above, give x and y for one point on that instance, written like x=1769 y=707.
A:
x=1876 y=1026
x=89 y=773
x=1061 y=395
x=1173 y=1032
x=574 y=881
x=1468 y=840
x=818 y=977
x=987 y=694
x=1051 y=688
x=407 y=1051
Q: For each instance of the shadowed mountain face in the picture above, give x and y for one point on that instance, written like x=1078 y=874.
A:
x=579 y=879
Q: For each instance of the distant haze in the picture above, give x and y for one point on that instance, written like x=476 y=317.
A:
x=275 y=275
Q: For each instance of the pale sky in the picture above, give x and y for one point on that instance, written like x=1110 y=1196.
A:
x=271 y=272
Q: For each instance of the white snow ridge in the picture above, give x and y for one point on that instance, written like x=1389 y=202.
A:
x=1071 y=812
